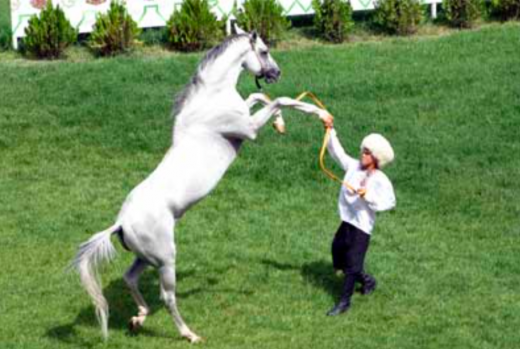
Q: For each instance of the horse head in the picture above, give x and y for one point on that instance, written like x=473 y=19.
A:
x=258 y=60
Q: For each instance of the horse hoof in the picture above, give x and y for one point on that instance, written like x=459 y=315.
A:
x=279 y=125
x=193 y=338
x=135 y=324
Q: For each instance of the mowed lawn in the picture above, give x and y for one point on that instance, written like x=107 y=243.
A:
x=5 y=15
x=254 y=268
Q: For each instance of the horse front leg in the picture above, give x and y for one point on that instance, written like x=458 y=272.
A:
x=260 y=118
x=284 y=102
x=255 y=98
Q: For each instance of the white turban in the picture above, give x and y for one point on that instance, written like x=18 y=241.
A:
x=379 y=147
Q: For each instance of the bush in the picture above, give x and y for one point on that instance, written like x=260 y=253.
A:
x=333 y=19
x=194 y=27
x=505 y=9
x=114 y=32
x=48 y=35
x=153 y=36
x=399 y=17
x=462 y=13
x=264 y=16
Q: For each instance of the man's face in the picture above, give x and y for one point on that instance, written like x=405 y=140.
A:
x=367 y=160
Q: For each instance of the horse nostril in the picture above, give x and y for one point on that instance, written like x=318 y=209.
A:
x=275 y=73
x=272 y=75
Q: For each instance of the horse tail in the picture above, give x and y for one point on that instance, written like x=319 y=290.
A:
x=90 y=255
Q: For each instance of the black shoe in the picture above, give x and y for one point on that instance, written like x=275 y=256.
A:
x=369 y=285
x=339 y=308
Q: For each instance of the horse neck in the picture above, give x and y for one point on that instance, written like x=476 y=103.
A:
x=213 y=78
x=225 y=70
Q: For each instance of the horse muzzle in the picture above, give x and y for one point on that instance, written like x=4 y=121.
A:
x=272 y=75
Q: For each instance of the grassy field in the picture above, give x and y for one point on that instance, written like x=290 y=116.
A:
x=254 y=267
x=4 y=13
x=5 y=21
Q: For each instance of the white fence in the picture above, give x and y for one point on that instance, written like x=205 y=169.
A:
x=150 y=13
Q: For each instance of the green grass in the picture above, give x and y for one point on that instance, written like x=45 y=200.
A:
x=5 y=25
x=253 y=259
x=5 y=13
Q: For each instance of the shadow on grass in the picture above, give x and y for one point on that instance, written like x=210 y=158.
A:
x=123 y=307
x=321 y=275
x=318 y=273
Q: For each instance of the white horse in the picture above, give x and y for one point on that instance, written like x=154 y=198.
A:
x=212 y=120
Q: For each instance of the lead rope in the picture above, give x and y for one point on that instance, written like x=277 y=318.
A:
x=326 y=139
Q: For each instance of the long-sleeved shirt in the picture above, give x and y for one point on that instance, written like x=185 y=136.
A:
x=360 y=212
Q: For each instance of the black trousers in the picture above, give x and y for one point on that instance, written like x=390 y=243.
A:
x=349 y=248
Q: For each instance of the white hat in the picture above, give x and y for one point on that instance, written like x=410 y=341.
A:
x=379 y=147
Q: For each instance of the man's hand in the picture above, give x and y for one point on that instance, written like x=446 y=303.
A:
x=327 y=119
x=362 y=192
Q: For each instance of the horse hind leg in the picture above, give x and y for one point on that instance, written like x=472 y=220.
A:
x=159 y=252
x=131 y=278
x=168 y=281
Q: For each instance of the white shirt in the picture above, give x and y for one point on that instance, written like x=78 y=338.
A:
x=360 y=212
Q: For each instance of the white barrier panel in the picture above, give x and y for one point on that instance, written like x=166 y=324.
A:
x=148 y=13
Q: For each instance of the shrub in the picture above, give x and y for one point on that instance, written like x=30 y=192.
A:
x=505 y=9
x=264 y=16
x=333 y=19
x=48 y=35
x=399 y=17
x=153 y=36
x=114 y=32
x=462 y=13
x=194 y=27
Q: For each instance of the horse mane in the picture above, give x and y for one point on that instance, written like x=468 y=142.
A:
x=196 y=80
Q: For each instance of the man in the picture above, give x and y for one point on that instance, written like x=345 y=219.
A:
x=371 y=191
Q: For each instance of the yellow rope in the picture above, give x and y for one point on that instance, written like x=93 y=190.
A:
x=326 y=139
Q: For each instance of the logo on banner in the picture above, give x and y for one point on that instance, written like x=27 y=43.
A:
x=96 y=2
x=38 y=4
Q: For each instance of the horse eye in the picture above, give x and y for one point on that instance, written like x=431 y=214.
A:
x=264 y=53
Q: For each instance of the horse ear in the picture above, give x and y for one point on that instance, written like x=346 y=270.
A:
x=239 y=30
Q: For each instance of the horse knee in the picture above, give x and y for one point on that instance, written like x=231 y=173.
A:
x=162 y=293
x=168 y=279
x=169 y=299
x=283 y=102
x=252 y=136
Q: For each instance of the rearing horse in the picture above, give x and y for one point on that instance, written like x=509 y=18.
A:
x=212 y=121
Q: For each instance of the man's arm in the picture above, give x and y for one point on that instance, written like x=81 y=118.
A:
x=337 y=152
